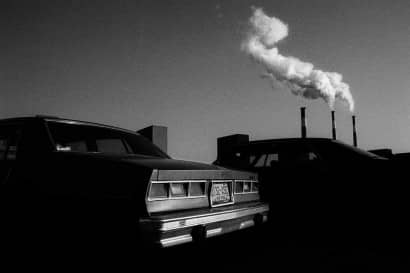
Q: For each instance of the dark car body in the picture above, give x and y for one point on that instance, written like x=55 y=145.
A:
x=73 y=178
x=323 y=187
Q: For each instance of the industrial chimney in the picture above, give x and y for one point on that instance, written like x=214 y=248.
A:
x=303 y=120
x=354 y=131
x=333 y=125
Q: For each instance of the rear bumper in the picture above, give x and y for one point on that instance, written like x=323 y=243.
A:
x=180 y=228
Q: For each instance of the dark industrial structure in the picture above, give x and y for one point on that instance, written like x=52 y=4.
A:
x=354 y=131
x=303 y=121
x=158 y=135
x=333 y=125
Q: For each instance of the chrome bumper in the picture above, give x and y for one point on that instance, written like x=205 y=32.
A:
x=172 y=231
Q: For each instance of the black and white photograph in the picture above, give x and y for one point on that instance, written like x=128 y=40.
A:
x=205 y=136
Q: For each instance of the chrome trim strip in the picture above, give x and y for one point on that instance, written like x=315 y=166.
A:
x=183 y=222
x=176 y=240
x=248 y=192
x=87 y=123
x=178 y=181
x=213 y=232
x=176 y=198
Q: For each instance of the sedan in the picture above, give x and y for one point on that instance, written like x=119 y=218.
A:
x=65 y=179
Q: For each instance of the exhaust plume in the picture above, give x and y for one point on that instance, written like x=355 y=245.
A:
x=301 y=78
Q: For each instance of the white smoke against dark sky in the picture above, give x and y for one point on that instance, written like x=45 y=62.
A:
x=301 y=78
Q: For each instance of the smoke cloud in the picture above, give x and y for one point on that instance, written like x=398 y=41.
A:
x=301 y=78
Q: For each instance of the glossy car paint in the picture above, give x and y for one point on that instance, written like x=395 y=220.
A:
x=71 y=193
x=341 y=192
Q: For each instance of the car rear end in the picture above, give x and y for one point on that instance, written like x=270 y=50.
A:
x=193 y=205
x=173 y=201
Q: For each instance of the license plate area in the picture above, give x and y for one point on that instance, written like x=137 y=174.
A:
x=221 y=193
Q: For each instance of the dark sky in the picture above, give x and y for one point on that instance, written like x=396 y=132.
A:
x=179 y=64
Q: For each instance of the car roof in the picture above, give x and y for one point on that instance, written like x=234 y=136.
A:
x=260 y=144
x=287 y=140
x=63 y=120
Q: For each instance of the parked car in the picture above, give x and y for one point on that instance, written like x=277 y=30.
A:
x=322 y=187
x=64 y=177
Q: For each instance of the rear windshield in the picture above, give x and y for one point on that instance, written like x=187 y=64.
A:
x=267 y=154
x=339 y=151
x=73 y=137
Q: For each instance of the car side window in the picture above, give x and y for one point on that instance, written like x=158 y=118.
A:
x=260 y=162
x=3 y=147
x=313 y=156
x=297 y=153
x=12 y=150
x=264 y=160
x=8 y=142
x=72 y=146
x=272 y=158
x=251 y=159
x=72 y=137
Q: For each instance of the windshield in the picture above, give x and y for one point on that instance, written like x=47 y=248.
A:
x=74 y=137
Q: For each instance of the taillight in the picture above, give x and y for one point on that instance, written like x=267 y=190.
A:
x=246 y=186
x=159 y=190
x=238 y=187
x=255 y=187
x=197 y=188
x=163 y=190
x=178 y=189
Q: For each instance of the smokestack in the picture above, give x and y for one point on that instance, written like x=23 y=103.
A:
x=303 y=119
x=354 y=131
x=333 y=125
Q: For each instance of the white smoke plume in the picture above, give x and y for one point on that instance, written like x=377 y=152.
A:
x=301 y=78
